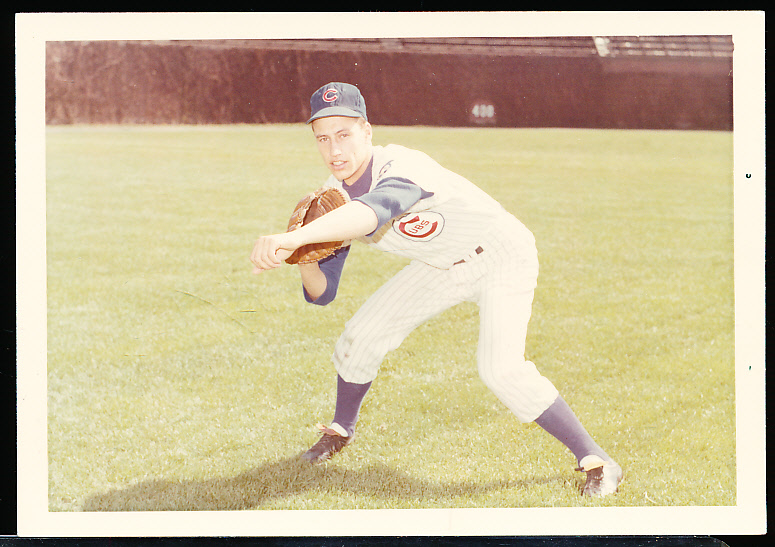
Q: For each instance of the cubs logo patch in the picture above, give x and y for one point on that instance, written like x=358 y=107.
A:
x=422 y=226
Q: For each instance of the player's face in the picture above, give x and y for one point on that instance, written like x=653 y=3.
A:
x=345 y=145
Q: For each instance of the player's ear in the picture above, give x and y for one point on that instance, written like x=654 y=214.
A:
x=367 y=130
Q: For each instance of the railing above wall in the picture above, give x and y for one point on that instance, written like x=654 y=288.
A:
x=665 y=46
x=572 y=46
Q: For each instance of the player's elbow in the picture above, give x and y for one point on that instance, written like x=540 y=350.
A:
x=321 y=279
x=365 y=221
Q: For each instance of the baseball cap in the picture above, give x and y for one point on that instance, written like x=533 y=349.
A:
x=337 y=99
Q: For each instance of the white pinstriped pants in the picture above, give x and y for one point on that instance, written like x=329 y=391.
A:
x=500 y=280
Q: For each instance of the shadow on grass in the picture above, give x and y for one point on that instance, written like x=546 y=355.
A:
x=287 y=478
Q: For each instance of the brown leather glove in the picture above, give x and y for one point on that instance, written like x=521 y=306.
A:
x=310 y=207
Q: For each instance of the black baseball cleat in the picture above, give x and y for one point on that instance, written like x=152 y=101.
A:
x=329 y=444
x=603 y=477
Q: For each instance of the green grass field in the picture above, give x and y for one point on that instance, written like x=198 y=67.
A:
x=177 y=380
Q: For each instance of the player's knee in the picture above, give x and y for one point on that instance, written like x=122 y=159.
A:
x=498 y=375
x=357 y=359
x=342 y=350
x=493 y=379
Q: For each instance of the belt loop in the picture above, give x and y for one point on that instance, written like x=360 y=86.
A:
x=478 y=251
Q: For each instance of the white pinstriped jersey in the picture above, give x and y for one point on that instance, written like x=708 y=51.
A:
x=444 y=227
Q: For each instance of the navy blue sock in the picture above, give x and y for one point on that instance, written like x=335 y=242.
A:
x=349 y=397
x=562 y=423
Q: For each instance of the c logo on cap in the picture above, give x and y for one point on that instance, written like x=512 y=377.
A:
x=330 y=95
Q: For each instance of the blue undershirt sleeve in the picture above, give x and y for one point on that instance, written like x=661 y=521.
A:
x=392 y=197
x=332 y=268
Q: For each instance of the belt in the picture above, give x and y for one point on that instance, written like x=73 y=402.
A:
x=478 y=251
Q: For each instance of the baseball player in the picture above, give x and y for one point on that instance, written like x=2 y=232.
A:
x=463 y=246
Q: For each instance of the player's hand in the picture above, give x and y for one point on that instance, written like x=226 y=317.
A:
x=269 y=252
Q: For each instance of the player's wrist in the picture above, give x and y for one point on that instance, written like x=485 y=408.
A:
x=293 y=240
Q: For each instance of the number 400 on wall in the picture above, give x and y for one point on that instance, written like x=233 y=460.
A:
x=482 y=112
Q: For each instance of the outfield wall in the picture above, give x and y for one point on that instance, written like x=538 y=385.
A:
x=201 y=83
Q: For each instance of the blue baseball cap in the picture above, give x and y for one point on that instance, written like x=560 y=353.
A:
x=337 y=99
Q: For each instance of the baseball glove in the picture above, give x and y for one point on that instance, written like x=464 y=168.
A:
x=312 y=206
